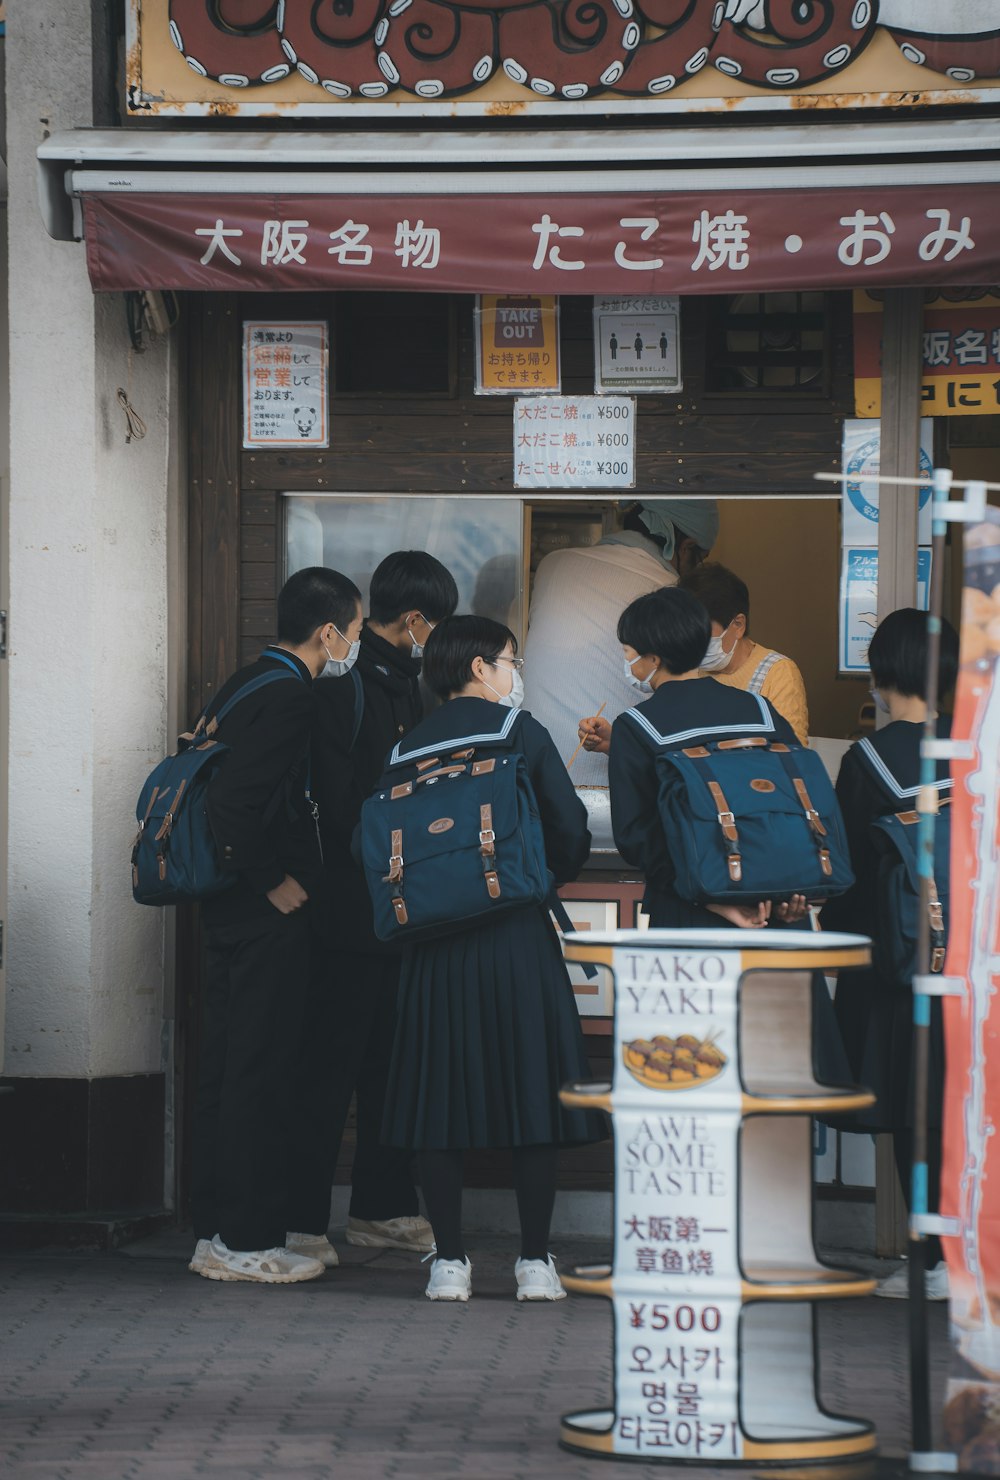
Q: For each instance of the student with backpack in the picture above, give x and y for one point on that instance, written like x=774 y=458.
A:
x=712 y=797
x=353 y=1008
x=877 y=789
x=256 y=938
x=471 y=828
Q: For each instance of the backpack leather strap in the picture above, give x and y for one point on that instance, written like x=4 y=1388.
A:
x=730 y=835
x=488 y=850
x=395 y=876
x=813 y=818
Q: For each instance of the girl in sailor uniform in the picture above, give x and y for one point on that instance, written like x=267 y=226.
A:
x=488 y=1028
x=664 y=637
x=880 y=775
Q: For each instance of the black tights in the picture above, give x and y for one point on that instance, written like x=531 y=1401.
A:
x=534 y=1183
x=902 y=1145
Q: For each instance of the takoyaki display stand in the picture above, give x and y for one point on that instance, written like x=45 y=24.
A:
x=714 y=1275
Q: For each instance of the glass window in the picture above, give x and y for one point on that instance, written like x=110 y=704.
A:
x=478 y=539
x=768 y=342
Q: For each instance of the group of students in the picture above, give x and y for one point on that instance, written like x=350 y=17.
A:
x=460 y=1041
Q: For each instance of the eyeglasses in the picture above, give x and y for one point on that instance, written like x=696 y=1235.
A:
x=516 y=663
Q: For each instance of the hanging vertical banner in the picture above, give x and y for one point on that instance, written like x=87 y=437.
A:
x=970 y=1175
x=637 y=345
x=285 y=384
x=517 y=345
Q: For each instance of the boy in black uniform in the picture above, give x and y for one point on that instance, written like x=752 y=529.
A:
x=353 y=1015
x=257 y=942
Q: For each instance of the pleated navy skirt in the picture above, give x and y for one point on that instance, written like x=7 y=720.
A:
x=487 y=1033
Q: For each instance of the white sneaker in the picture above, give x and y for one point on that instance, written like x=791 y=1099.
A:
x=201 y=1256
x=313 y=1246
x=537 y=1280
x=260 y=1266
x=936 y=1282
x=449 y=1280
x=415 y=1234
x=897 y=1286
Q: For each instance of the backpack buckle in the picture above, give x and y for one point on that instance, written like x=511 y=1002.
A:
x=726 y=819
x=487 y=841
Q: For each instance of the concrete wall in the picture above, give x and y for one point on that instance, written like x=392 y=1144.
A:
x=90 y=522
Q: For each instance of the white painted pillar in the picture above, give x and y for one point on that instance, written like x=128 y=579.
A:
x=91 y=522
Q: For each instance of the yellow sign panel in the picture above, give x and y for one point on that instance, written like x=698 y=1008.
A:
x=961 y=353
x=517 y=340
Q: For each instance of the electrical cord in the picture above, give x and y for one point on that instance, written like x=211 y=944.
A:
x=136 y=427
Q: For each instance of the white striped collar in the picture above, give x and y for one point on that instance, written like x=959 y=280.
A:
x=886 y=777
x=765 y=728
x=454 y=742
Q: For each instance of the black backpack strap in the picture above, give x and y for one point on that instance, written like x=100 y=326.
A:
x=565 y=924
x=359 y=705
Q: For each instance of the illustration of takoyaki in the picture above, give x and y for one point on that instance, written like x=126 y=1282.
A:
x=673 y=1063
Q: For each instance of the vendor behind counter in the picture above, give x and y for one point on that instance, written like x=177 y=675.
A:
x=573 y=661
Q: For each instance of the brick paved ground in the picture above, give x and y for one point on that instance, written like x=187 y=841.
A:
x=125 y=1367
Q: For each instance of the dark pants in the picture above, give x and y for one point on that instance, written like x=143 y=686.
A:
x=350 y=1027
x=253 y=1001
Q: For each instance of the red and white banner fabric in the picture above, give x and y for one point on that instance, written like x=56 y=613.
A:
x=970 y=1181
x=626 y=243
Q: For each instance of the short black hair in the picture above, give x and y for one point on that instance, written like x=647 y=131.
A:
x=311 y=598
x=669 y=623
x=411 y=581
x=453 y=645
x=720 y=591
x=897 y=654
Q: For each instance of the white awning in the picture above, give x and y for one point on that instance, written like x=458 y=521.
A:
x=481 y=161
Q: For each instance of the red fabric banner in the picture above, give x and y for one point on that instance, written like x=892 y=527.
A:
x=633 y=244
x=970 y=1173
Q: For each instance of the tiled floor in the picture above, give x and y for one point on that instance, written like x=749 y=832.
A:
x=126 y=1367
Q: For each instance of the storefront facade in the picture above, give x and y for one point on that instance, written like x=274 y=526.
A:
x=381 y=215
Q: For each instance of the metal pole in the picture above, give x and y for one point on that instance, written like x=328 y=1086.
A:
x=920 y=1404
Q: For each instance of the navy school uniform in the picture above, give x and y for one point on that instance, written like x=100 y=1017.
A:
x=683 y=713
x=488 y=1028
x=878 y=776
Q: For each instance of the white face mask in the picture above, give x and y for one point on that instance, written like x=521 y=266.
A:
x=337 y=667
x=642 y=684
x=716 y=656
x=418 y=647
x=515 y=698
x=879 y=701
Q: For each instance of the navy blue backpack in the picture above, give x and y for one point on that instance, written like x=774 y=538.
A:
x=897 y=887
x=747 y=817
x=456 y=840
x=174 y=857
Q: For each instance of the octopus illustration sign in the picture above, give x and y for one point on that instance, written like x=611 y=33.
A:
x=970 y=1181
x=255 y=57
x=714 y=1276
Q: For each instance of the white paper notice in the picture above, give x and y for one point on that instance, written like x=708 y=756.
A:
x=637 y=345
x=285 y=380
x=574 y=442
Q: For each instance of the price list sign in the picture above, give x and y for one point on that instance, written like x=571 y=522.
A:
x=574 y=442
